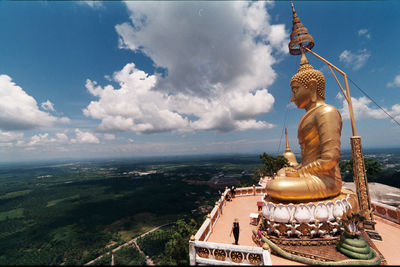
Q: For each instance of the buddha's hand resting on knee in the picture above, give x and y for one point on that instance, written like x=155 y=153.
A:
x=288 y=172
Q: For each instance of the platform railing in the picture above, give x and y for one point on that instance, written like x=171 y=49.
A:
x=206 y=228
x=386 y=211
x=225 y=254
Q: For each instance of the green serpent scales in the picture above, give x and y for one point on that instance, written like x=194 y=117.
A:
x=355 y=247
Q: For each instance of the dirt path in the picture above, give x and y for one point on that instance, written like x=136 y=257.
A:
x=149 y=261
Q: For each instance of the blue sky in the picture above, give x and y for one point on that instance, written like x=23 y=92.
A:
x=115 y=79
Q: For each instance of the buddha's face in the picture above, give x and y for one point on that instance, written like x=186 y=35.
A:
x=301 y=95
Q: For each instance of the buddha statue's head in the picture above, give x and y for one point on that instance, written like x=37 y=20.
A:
x=308 y=85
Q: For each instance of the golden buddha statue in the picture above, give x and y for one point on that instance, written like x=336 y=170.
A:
x=318 y=175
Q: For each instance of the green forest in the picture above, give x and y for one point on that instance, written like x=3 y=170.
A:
x=72 y=213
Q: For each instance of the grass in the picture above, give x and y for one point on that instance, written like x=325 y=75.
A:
x=138 y=224
x=15 y=194
x=129 y=227
x=12 y=214
x=167 y=167
x=56 y=201
x=63 y=233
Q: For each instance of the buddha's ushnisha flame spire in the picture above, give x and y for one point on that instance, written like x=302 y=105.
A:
x=299 y=36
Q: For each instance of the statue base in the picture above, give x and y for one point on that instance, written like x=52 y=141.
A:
x=318 y=219
x=311 y=232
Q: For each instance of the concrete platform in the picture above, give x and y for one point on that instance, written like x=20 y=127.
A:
x=241 y=207
x=380 y=192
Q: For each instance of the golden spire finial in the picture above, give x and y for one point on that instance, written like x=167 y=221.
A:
x=303 y=60
x=294 y=12
x=289 y=155
x=299 y=36
x=287 y=142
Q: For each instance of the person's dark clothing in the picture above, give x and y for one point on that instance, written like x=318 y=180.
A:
x=233 y=191
x=236 y=232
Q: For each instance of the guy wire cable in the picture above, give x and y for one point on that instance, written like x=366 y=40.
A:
x=286 y=111
x=362 y=91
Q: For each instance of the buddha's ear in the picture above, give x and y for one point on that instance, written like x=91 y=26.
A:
x=312 y=85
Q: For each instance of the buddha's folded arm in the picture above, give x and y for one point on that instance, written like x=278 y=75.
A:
x=298 y=166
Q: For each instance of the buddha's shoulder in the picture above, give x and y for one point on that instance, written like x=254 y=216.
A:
x=326 y=108
x=321 y=112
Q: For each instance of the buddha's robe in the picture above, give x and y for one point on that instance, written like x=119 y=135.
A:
x=319 y=137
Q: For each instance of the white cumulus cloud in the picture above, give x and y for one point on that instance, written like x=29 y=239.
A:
x=84 y=138
x=364 y=32
x=395 y=82
x=91 y=3
x=109 y=136
x=18 y=110
x=9 y=139
x=362 y=109
x=218 y=66
x=62 y=137
x=10 y=136
x=64 y=120
x=41 y=139
x=355 y=60
x=134 y=106
x=48 y=106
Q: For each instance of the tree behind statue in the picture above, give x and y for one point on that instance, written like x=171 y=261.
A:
x=372 y=167
x=271 y=165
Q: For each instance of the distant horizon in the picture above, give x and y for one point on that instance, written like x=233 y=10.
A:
x=170 y=156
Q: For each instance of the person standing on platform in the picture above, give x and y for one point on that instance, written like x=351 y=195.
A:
x=235 y=230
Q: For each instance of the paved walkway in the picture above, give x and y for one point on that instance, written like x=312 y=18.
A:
x=389 y=246
x=241 y=207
